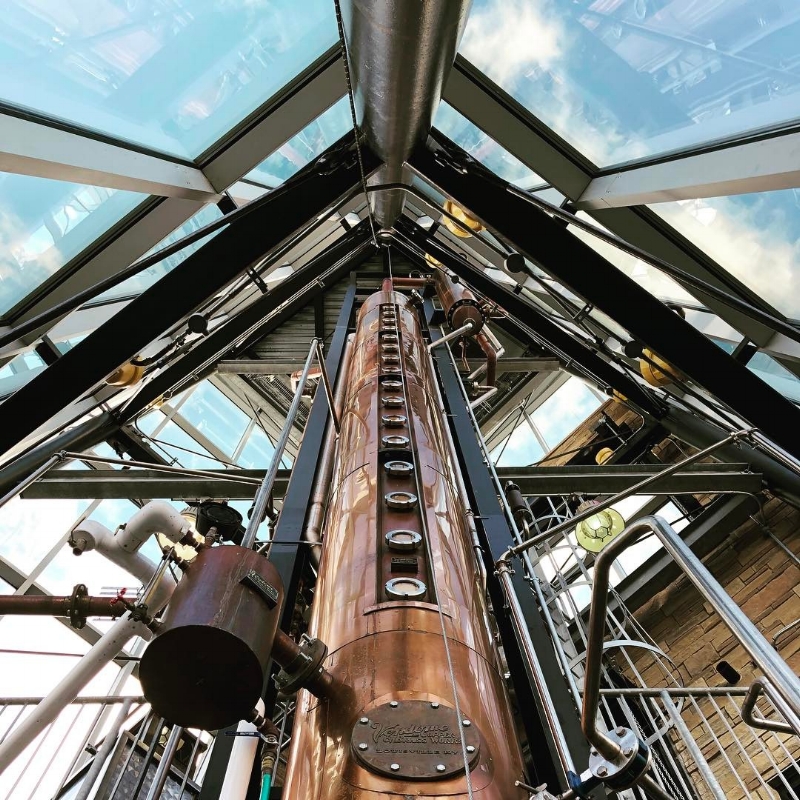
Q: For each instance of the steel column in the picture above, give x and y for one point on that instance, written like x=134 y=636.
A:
x=495 y=538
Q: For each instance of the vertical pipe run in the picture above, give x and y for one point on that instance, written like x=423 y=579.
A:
x=164 y=765
x=261 y=502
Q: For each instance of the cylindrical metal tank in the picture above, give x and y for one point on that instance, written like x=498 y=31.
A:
x=206 y=667
x=398 y=600
x=459 y=303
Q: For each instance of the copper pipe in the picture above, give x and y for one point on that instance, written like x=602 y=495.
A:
x=460 y=304
x=411 y=283
x=386 y=286
x=491 y=357
x=84 y=606
x=410 y=662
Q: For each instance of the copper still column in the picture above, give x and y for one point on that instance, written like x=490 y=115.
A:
x=424 y=715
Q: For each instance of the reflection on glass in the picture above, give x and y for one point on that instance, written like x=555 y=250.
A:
x=172 y=75
x=777 y=376
x=647 y=276
x=45 y=223
x=625 y=79
x=219 y=419
x=756 y=237
x=483 y=148
x=303 y=148
x=144 y=280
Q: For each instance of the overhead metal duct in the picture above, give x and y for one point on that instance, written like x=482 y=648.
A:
x=400 y=53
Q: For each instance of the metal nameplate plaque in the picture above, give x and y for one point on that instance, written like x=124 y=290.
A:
x=267 y=591
x=415 y=740
x=405 y=564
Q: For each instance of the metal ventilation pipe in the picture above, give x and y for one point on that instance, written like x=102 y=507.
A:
x=401 y=52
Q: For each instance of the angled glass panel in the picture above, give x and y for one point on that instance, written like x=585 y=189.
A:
x=483 y=148
x=520 y=450
x=44 y=224
x=144 y=280
x=170 y=76
x=564 y=411
x=303 y=148
x=626 y=79
x=219 y=419
x=777 y=376
x=756 y=237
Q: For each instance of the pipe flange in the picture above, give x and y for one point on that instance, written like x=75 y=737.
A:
x=627 y=768
x=393 y=400
x=391 y=370
x=395 y=440
x=401 y=501
x=392 y=385
x=77 y=606
x=393 y=420
x=304 y=668
x=403 y=540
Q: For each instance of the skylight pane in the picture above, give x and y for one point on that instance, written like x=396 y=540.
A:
x=44 y=224
x=303 y=148
x=483 y=148
x=756 y=237
x=172 y=76
x=564 y=411
x=144 y=280
x=626 y=79
x=220 y=420
x=778 y=377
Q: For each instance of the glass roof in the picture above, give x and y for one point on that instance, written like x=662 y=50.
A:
x=756 y=237
x=170 y=75
x=45 y=223
x=482 y=147
x=626 y=79
x=315 y=138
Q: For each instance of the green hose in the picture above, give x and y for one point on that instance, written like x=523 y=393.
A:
x=266 y=785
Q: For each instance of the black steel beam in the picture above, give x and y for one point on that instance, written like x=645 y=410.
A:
x=178 y=293
x=495 y=538
x=525 y=316
x=106 y=484
x=612 y=478
x=252 y=322
x=586 y=273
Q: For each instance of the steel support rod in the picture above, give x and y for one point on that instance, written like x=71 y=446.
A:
x=775 y=669
x=167 y=757
x=32 y=478
x=706 y=773
x=464 y=330
x=197 y=473
x=326 y=382
x=261 y=501
x=637 y=488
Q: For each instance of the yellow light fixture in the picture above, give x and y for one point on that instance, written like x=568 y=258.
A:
x=126 y=375
x=432 y=261
x=618 y=396
x=183 y=551
x=466 y=219
x=603 y=455
x=595 y=532
x=659 y=373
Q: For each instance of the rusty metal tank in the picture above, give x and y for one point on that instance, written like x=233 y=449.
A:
x=206 y=667
x=399 y=601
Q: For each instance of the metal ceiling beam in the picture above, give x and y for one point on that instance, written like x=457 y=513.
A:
x=545 y=333
x=578 y=267
x=513 y=127
x=255 y=321
x=105 y=484
x=763 y=166
x=30 y=147
x=178 y=293
x=612 y=478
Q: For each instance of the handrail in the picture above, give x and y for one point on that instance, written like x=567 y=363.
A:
x=752 y=717
x=777 y=672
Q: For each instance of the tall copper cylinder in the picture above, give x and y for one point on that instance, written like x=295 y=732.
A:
x=397 y=565
x=207 y=665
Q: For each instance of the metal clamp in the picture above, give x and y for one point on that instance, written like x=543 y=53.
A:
x=304 y=667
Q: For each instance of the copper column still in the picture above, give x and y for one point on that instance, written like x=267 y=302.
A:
x=424 y=715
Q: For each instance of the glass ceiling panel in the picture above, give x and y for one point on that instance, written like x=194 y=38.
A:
x=483 y=148
x=171 y=75
x=756 y=237
x=777 y=376
x=304 y=147
x=44 y=224
x=627 y=79
x=144 y=280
